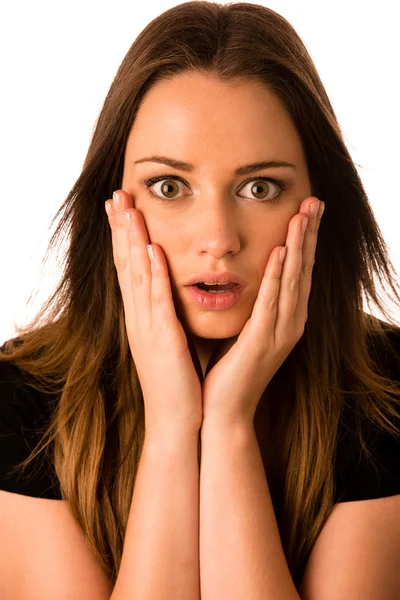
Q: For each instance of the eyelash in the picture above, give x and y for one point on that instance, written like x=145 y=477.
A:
x=279 y=182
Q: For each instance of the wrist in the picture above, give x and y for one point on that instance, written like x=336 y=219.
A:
x=239 y=428
x=168 y=437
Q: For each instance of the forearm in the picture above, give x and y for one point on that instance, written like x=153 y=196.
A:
x=161 y=549
x=241 y=554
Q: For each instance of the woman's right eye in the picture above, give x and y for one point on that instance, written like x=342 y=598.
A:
x=168 y=183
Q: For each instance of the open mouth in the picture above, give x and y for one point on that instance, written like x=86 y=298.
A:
x=215 y=297
x=216 y=288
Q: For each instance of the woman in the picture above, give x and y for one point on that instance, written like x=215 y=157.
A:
x=286 y=386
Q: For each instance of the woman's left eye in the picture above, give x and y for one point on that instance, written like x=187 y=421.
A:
x=260 y=186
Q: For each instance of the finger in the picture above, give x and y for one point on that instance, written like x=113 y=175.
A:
x=140 y=268
x=289 y=290
x=152 y=293
x=132 y=262
x=264 y=315
x=309 y=250
x=153 y=303
x=163 y=307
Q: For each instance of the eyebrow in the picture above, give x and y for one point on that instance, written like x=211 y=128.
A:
x=244 y=170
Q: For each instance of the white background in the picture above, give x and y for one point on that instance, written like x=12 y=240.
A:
x=58 y=61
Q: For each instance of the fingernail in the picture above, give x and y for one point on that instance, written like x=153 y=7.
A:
x=128 y=217
x=117 y=200
x=108 y=208
x=150 y=252
x=314 y=208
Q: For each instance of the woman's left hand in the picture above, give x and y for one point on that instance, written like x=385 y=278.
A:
x=233 y=387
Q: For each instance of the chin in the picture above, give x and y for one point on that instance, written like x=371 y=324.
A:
x=212 y=324
x=216 y=329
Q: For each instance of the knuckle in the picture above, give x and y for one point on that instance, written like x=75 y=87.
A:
x=157 y=297
x=137 y=279
x=293 y=284
x=121 y=263
x=271 y=302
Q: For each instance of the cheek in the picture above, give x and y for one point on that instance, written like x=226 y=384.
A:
x=170 y=244
x=271 y=238
x=160 y=233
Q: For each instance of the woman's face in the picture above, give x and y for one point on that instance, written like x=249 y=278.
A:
x=213 y=221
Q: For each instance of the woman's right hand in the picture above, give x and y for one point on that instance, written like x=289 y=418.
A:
x=170 y=385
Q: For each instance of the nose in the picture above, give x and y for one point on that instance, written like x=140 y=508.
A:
x=217 y=228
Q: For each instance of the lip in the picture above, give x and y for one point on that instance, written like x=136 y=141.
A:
x=215 y=301
x=221 y=277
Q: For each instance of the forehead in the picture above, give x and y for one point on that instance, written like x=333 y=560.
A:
x=196 y=112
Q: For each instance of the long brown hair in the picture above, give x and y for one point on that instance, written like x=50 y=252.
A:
x=76 y=347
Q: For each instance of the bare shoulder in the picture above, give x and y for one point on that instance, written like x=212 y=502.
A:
x=43 y=552
x=357 y=553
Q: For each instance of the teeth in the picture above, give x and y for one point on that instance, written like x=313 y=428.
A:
x=206 y=287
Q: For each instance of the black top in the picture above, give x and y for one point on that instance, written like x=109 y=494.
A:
x=24 y=414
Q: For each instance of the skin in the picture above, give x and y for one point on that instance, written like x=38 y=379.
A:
x=213 y=222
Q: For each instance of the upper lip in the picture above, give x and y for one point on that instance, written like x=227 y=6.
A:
x=222 y=277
